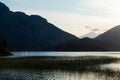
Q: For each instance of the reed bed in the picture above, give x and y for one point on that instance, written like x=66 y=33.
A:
x=62 y=63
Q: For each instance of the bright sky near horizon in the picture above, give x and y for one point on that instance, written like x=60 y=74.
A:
x=72 y=15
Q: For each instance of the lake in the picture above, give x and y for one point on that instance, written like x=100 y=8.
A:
x=28 y=54
x=24 y=74
x=108 y=71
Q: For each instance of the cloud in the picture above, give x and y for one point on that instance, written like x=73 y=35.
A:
x=104 y=8
x=95 y=29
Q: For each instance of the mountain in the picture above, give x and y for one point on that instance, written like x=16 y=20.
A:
x=84 y=44
x=24 y=32
x=112 y=37
x=90 y=35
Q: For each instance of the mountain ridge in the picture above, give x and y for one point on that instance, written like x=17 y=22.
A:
x=29 y=32
x=111 y=36
x=24 y=32
x=90 y=35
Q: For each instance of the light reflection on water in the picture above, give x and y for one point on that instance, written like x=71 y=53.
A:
x=24 y=74
x=27 y=54
x=27 y=74
x=112 y=66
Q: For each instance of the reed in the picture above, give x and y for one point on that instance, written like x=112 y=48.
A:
x=62 y=63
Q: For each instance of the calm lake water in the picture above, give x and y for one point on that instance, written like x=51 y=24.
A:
x=29 y=54
x=25 y=74
x=31 y=74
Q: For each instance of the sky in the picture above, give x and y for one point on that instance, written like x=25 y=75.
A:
x=77 y=17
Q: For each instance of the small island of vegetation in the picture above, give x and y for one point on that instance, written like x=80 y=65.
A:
x=4 y=51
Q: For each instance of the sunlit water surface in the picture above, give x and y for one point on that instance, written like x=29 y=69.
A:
x=28 y=54
x=24 y=74
x=31 y=74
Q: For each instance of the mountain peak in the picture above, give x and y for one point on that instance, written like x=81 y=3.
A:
x=112 y=36
x=90 y=35
x=3 y=8
x=24 y=32
x=116 y=27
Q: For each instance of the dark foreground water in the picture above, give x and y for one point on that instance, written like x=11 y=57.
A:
x=32 y=74
x=24 y=74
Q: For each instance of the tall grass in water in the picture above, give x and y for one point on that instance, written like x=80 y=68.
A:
x=86 y=66
x=63 y=63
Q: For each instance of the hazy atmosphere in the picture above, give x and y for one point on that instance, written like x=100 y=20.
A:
x=73 y=15
x=59 y=40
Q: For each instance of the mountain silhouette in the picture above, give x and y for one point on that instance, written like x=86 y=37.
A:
x=90 y=35
x=84 y=44
x=29 y=32
x=23 y=32
x=112 y=37
x=3 y=8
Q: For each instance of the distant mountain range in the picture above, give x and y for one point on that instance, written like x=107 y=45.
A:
x=112 y=37
x=22 y=32
x=108 y=41
x=90 y=35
